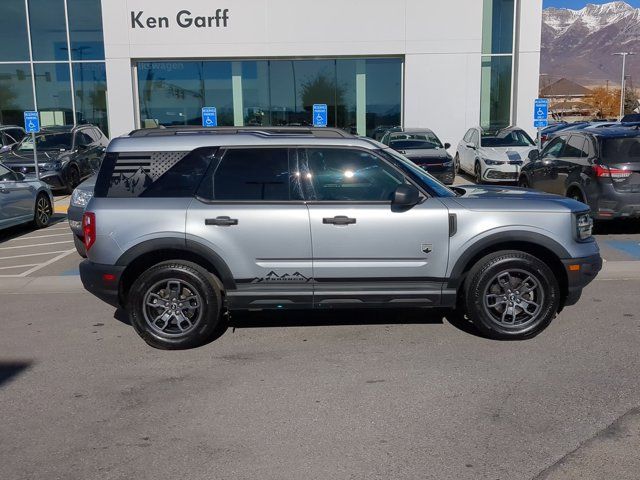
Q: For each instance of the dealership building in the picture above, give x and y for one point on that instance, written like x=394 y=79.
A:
x=125 y=64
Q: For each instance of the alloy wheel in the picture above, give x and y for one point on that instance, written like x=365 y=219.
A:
x=43 y=210
x=172 y=307
x=513 y=299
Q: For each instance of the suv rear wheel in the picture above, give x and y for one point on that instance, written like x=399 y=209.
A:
x=511 y=295
x=175 y=305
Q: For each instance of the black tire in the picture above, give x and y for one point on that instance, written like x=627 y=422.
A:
x=43 y=211
x=182 y=282
x=80 y=248
x=456 y=164
x=478 y=173
x=576 y=195
x=73 y=179
x=486 y=285
x=523 y=182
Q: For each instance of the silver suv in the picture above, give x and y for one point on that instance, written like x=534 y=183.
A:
x=187 y=224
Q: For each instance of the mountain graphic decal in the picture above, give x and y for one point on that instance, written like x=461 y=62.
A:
x=273 y=277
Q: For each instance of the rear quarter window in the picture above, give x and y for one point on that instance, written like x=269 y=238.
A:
x=152 y=174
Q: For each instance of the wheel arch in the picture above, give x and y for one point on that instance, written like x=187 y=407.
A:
x=541 y=247
x=576 y=186
x=142 y=256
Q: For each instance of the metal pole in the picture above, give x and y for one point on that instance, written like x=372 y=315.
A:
x=622 y=85
x=35 y=155
x=539 y=138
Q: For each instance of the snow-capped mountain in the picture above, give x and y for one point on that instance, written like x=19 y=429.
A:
x=578 y=44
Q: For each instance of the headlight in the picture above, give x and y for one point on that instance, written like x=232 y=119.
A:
x=80 y=198
x=50 y=166
x=584 y=226
x=492 y=162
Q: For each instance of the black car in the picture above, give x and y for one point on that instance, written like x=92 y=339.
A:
x=66 y=155
x=9 y=136
x=423 y=147
x=600 y=167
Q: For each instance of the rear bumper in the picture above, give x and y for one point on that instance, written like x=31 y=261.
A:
x=103 y=281
x=580 y=273
x=611 y=204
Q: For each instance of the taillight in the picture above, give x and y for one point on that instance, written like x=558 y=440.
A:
x=89 y=229
x=615 y=173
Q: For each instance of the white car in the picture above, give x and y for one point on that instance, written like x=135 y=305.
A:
x=494 y=155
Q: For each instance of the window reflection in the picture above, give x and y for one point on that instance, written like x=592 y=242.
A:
x=85 y=29
x=13 y=31
x=16 y=94
x=90 y=90
x=48 y=30
x=53 y=92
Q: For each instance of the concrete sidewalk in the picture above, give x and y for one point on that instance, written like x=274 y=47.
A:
x=71 y=283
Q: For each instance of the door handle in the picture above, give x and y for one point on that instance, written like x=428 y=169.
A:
x=339 y=220
x=221 y=221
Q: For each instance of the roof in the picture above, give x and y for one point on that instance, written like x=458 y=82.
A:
x=565 y=88
x=182 y=140
x=609 y=132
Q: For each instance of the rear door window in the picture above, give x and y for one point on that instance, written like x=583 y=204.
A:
x=153 y=174
x=251 y=175
x=554 y=149
x=575 y=147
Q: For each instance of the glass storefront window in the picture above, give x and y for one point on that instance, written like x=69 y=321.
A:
x=53 y=92
x=85 y=29
x=13 y=32
x=384 y=93
x=495 y=106
x=16 y=93
x=361 y=94
x=90 y=90
x=497 y=26
x=48 y=30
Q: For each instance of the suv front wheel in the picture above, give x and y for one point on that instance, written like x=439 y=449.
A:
x=511 y=295
x=175 y=305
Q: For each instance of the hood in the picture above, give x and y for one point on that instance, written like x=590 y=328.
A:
x=505 y=153
x=496 y=197
x=14 y=157
x=427 y=155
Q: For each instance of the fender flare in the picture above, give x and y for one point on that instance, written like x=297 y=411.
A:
x=180 y=244
x=503 y=237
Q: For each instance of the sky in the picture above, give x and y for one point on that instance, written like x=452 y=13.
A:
x=578 y=4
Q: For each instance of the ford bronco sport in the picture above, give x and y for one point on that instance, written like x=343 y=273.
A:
x=188 y=224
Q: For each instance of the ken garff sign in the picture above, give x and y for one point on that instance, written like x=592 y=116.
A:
x=540 y=112
x=31 y=122
x=183 y=19
x=320 y=115
x=209 y=117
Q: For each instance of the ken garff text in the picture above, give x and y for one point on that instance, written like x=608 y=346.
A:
x=184 y=19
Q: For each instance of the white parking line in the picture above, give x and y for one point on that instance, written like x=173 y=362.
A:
x=36 y=245
x=20 y=266
x=35 y=254
x=47 y=263
x=41 y=236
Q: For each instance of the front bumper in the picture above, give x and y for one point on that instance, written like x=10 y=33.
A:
x=580 y=272
x=54 y=178
x=103 y=281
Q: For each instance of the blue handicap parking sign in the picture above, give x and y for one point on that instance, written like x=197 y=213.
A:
x=320 y=115
x=209 y=117
x=540 y=112
x=31 y=122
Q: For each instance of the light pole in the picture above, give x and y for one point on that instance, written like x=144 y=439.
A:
x=623 y=84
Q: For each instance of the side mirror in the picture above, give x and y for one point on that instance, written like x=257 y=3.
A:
x=447 y=145
x=534 y=155
x=405 y=196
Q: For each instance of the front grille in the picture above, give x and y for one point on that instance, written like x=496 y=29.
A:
x=497 y=175
x=25 y=170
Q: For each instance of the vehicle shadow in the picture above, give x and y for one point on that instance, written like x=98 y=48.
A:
x=8 y=370
x=328 y=318
x=617 y=227
x=19 y=230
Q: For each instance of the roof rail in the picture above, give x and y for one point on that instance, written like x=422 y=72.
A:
x=265 y=131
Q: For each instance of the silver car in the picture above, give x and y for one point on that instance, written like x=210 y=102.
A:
x=185 y=225
x=23 y=200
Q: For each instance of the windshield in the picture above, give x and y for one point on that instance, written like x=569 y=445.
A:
x=48 y=141
x=418 y=174
x=415 y=141
x=506 y=138
x=621 y=150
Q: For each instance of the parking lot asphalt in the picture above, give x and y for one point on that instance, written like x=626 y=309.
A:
x=360 y=395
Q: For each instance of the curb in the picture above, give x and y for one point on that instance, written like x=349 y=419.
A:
x=628 y=270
